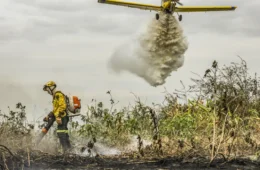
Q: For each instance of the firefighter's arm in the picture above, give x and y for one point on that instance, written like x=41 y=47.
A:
x=50 y=119
x=59 y=105
x=48 y=116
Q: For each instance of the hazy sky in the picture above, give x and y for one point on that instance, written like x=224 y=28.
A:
x=70 y=41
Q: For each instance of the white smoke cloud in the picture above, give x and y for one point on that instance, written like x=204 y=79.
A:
x=155 y=54
x=104 y=149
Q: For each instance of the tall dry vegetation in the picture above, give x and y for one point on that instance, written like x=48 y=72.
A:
x=222 y=119
x=15 y=132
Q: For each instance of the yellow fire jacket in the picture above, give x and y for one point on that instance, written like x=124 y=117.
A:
x=59 y=104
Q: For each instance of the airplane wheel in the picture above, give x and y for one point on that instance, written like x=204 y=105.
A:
x=180 y=18
x=157 y=16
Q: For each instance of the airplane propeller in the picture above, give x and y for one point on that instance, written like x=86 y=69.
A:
x=181 y=4
x=178 y=2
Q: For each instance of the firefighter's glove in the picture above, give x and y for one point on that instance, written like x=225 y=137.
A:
x=44 y=130
x=58 y=120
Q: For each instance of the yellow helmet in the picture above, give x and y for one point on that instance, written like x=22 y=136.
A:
x=49 y=84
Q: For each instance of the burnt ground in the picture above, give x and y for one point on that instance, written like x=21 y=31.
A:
x=166 y=163
x=43 y=161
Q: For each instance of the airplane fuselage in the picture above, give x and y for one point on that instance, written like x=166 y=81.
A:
x=168 y=7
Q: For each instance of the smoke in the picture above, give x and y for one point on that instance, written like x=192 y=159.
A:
x=101 y=149
x=158 y=51
x=12 y=92
x=104 y=149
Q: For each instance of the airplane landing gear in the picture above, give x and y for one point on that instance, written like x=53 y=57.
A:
x=157 y=16
x=180 y=17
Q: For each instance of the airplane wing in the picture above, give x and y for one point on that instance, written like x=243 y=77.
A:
x=132 y=4
x=204 y=8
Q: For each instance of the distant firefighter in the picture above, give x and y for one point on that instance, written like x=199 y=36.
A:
x=59 y=114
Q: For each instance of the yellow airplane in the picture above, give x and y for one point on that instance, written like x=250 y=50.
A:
x=169 y=7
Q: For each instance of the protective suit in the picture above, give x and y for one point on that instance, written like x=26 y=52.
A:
x=59 y=113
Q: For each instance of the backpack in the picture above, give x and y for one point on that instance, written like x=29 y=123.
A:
x=73 y=104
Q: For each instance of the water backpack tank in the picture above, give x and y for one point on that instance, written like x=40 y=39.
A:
x=73 y=104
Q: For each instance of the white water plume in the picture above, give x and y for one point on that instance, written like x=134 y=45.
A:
x=104 y=149
x=100 y=149
x=157 y=52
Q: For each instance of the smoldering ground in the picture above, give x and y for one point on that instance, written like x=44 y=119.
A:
x=155 y=54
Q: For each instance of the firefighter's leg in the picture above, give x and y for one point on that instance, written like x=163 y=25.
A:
x=67 y=140
x=62 y=138
x=67 y=135
x=62 y=132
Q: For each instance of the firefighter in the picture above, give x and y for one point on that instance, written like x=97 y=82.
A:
x=60 y=113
